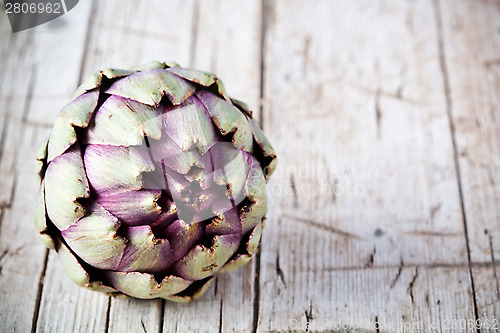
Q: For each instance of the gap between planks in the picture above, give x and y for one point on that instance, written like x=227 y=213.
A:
x=46 y=260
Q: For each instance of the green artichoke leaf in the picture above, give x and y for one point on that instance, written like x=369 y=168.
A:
x=124 y=122
x=222 y=89
x=203 y=78
x=265 y=146
x=230 y=168
x=95 y=80
x=150 y=85
x=77 y=273
x=170 y=64
x=228 y=119
x=40 y=218
x=255 y=191
x=41 y=159
x=198 y=293
x=251 y=247
x=65 y=182
x=242 y=106
x=202 y=262
x=145 y=286
x=93 y=238
x=77 y=113
x=151 y=65
x=226 y=222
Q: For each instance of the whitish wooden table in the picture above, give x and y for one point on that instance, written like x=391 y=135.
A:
x=385 y=209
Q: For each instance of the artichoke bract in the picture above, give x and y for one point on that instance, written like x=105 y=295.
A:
x=152 y=182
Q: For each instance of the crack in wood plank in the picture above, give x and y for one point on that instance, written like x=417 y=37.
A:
x=38 y=299
x=371 y=258
x=6 y=253
x=398 y=274
x=309 y=316
x=410 y=286
x=279 y=271
x=108 y=311
x=482 y=265
x=220 y=314
x=434 y=210
x=382 y=93
x=432 y=233
x=322 y=227
x=161 y=317
x=378 y=111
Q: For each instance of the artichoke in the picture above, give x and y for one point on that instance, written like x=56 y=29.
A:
x=152 y=182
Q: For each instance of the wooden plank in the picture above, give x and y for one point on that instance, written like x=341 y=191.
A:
x=126 y=34
x=226 y=41
x=21 y=253
x=362 y=300
x=57 y=45
x=471 y=62
x=23 y=100
x=138 y=36
x=135 y=35
x=15 y=89
x=366 y=176
x=67 y=308
x=17 y=270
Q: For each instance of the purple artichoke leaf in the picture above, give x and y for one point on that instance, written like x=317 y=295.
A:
x=116 y=168
x=190 y=126
x=132 y=207
x=144 y=252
